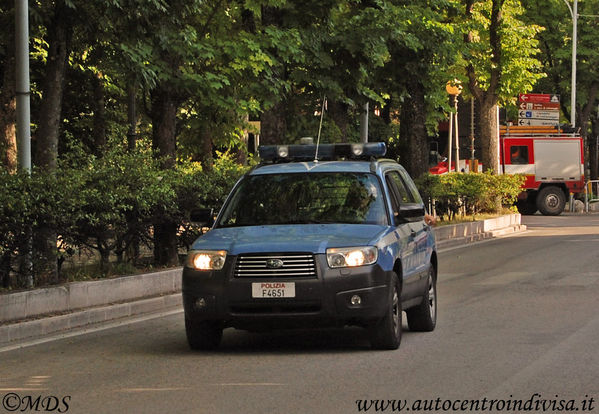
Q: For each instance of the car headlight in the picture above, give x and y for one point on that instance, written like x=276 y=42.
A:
x=352 y=256
x=206 y=259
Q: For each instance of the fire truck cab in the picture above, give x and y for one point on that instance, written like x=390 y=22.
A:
x=552 y=162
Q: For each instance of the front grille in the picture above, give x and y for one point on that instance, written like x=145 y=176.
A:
x=293 y=265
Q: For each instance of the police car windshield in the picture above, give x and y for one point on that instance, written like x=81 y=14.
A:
x=304 y=199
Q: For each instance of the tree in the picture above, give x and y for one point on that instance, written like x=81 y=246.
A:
x=498 y=56
x=8 y=139
x=422 y=48
x=556 y=46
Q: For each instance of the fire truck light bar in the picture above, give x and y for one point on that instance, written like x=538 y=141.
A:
x=288 y=153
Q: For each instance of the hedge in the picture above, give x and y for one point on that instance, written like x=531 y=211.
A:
x=469 y=194
x=106 y=205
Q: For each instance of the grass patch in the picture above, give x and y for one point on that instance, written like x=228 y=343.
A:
x=443 y=221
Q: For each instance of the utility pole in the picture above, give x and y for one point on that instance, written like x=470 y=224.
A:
x=574 y=13
x=364 y=124
x=23 y=114
x=22 y=84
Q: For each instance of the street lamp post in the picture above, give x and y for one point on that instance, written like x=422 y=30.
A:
x=574 y=13
x=454 y=88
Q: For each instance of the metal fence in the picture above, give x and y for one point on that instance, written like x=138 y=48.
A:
x=591 y=193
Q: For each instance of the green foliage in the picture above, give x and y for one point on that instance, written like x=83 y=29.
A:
x=518 y=65
x=470 y=194
x=106 y=204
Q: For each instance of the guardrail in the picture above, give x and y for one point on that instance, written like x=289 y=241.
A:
x=591 y=193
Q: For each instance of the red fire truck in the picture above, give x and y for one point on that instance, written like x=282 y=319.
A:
x=552 y=162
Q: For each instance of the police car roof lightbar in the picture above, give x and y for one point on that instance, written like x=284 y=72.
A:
x=288 y=153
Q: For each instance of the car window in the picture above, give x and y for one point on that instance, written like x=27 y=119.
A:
x=519 y=154
x=306 y=198
x=411 y=187
x=403 y=194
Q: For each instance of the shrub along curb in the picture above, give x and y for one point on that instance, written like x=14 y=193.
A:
x=31 y=314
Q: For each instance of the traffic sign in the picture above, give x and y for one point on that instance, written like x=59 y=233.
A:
x=538 y=97
x=537 y=122
x=550 y=115
x=539 y=106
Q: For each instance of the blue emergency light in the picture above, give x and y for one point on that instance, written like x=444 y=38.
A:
x=323 y=152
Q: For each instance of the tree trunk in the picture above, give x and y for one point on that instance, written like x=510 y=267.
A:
x=47 y=134
x=337 y=111
x=273 y=125
x=8 y=104
x=164 y=116
x=412 y=129
x=53 y=88
x=489 y=135
x=489 y=138
x=132 y=115
x=99 y=128
x=5 y=269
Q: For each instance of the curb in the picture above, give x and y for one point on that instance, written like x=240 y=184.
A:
x=464 y=233
x=450 y=243
x=39 y=313
x=32 y=329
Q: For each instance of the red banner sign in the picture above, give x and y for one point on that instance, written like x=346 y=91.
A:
x=539 y=98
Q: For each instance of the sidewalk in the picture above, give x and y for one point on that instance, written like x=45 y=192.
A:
x=42 y=312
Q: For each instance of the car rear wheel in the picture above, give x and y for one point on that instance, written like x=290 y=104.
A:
x=528 y=206
x=386 y=333
x=551 y=201
x=203 y=334
x=423 y=317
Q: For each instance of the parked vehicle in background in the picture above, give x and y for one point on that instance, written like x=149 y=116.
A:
x=552 y=162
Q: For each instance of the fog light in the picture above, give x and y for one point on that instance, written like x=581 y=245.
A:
x=356 y=300
x=201 y=303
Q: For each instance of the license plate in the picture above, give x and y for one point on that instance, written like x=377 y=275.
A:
x=273 y=290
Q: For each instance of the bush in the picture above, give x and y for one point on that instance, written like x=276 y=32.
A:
x=469 y=194
x=106 y=204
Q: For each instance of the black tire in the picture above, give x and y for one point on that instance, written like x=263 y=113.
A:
x=551 y=201
x=386 y=333
x=528 y=206
x=423 y=318
x=203 y=335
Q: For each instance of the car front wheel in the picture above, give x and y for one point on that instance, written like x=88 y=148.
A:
x=423 y=318
x=386 y=333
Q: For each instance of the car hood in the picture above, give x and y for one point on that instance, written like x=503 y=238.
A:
x=314 y=238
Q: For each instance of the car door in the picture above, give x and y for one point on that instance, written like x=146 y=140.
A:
x=420 y=228
x=405 y=232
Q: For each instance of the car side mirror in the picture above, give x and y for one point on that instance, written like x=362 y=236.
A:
x=204 y=216
x=409 y=213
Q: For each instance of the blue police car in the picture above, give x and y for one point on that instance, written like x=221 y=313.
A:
x=331 y=235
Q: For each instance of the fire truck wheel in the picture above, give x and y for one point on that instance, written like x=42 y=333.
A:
x=551 y=201
x=527 y=207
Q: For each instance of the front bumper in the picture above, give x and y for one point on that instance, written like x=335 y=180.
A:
x=323 y=300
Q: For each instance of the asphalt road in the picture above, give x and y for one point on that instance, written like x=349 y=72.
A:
x=518 y=324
